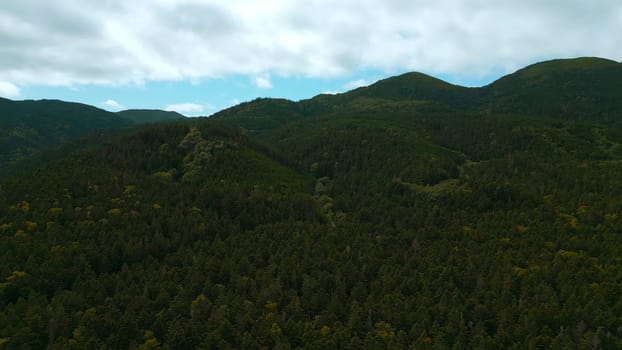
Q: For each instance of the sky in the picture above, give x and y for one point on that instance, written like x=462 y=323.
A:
x=199 y=56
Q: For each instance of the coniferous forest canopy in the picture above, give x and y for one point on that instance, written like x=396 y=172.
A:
x=410 y=214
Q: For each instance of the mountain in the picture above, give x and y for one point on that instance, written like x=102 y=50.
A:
x=579 y=89
x=146 y=116
x=386 y=218
x=418 y=87
x=33 y=132
x=29 y=127
x=261 y=114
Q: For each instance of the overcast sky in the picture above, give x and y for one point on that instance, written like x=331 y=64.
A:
x=199 y=56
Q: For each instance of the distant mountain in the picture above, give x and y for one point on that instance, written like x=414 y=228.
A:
x=34 y=130
x=586 y=89
x=147 y=116
x=580 y=89
x=30 y=127
x=420 y=87
x=261 y=114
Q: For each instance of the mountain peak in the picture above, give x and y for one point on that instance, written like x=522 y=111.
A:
x=585 y=65
x=412 y=85
x=578 y=88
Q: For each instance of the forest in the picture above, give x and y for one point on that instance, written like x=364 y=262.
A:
x=411 y=214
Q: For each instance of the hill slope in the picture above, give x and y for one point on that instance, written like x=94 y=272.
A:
x=29 y=127
x=419 y=87
x=377 y=221
x=585 y=89
x=146 y=116
x=404 y=229
x=580 y=89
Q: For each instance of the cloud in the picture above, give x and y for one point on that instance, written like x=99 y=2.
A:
x=113 y=42
x=8 y=90
x=187 y=108
x=262 y=82
x=355 y=84
x=113 y=105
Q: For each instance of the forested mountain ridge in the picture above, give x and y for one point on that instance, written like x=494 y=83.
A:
x=582 y=88
x=579 y=89
x=146 y=116
x=586 y=89
x=370 y=222
x=30 y=129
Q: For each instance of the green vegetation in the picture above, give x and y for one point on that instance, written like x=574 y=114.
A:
x=29 y=127
x=375 y=219
x=147 y=116
x=261 y=114
x=583 y=89
x=579 y=89
x=34 y=132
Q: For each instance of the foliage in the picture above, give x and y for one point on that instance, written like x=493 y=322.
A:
x=29 y=127
x=365 y=223
x=148 y=116
x=34 y=132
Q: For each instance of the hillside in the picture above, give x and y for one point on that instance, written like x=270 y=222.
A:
x=29 y=127
x=582 y=89
x=147 y=116
x=33 y=132
x=579 y=89
x=396 y=216
x=261 y=114
x=418 y=87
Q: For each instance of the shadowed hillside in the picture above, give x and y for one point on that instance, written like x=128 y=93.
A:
x=30 y=127
x=32 y=132
x=147 y=116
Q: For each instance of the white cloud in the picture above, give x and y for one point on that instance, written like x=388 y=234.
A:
x=187 y=108
x=355 y=84
x=262 y=82
x=8 y=90
x=232 y=103
x=113 y=105
x=55 y=42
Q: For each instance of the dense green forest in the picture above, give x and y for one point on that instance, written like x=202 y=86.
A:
x=411 y=214
x=148 y=116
